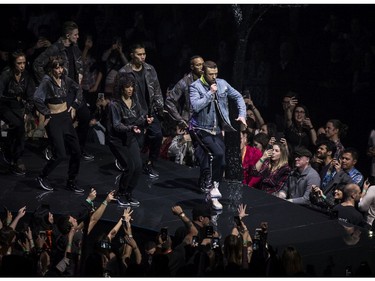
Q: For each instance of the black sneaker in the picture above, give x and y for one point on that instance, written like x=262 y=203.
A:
x=71 y=185
x=132 y=201
x=205 y=183
x=149 y=170
x=44 y=183
x=17 y=170
x=121 y=200
x=87 y=157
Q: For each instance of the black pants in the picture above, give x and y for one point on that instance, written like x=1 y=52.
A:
x=215 y=144
x=15 y=142
x=129 y=156
x=152 y=139
x=61 y=135
x=83 y=118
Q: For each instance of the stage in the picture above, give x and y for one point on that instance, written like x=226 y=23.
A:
x=325 y=245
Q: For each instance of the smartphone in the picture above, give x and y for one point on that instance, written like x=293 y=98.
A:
x=164 y=233
x=258 y=232
x=215 y=243
x=105 y=245
x=100 y=96
x=237 y=220
x=209 y=231
x=195 y=241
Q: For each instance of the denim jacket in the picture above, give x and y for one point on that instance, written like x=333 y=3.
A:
x=203 y=106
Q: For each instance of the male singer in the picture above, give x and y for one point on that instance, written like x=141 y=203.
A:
x=209 y=102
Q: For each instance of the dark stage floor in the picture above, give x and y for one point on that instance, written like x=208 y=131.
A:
x=321 y=240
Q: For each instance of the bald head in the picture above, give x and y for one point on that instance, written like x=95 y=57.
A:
x=352 y=192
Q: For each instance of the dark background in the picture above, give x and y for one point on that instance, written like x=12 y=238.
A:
x=174 y=32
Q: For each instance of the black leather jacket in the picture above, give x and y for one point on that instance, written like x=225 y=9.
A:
x=156 y=101
x=177 y=101
x=11 y=90
x=58 y=49
x=121 y=120
x=49 y=92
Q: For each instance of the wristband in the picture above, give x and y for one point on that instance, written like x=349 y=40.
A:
x=182 y=214
x=130 y=236
x=105 y=203
x=261 y=160
x=311 y=128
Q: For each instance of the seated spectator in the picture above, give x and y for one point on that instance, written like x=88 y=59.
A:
x=252 y=148
x=343 y=172
x=335 y=131
x=273 y=168
x=323 y=157
x=367 y=203
x=347 y=213
x=298 y=186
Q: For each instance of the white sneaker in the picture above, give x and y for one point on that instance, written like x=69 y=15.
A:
x=215 y=193
x=216 y=205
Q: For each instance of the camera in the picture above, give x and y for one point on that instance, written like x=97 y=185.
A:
x=209 y=231
x=164 y=233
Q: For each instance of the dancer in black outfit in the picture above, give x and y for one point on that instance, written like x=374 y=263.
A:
x=67 y=48
x=16 y=97
x=125 y=121
x=51 y=100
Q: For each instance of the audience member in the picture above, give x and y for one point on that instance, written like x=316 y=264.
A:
x=300 y=131
x=347 y=212
x=298 y=186
x=335 y=131
x=273 y=167
x=367 y=203
x=252 y=148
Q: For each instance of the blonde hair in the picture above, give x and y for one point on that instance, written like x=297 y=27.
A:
x=283 y=156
